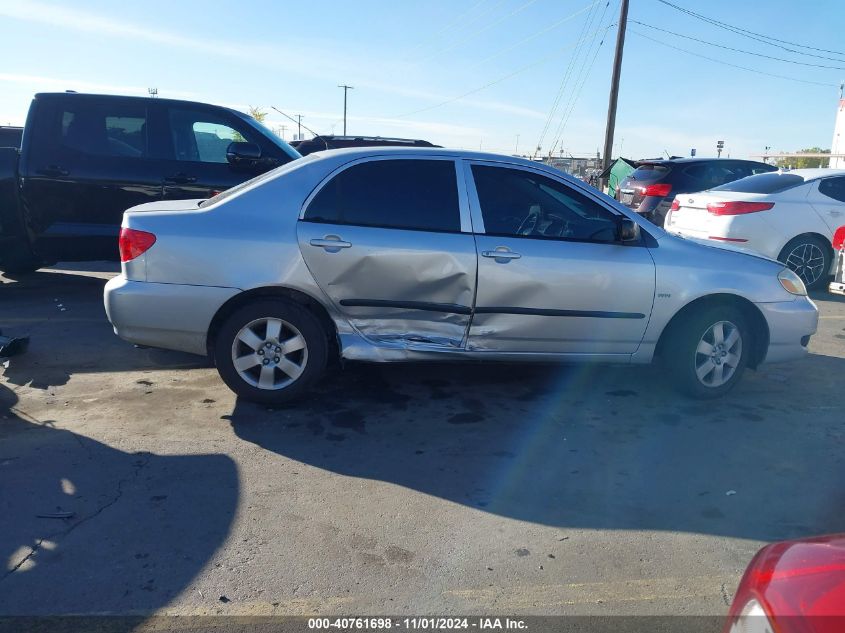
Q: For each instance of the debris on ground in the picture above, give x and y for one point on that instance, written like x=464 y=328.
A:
x=56 y=515
x=12 y=346
x=730 y=493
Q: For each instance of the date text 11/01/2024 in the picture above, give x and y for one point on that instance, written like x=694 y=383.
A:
x=417 y=623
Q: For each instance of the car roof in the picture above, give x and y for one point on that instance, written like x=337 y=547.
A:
x=814 y=173
x=85 y=95
x=690 y=160
x=353 y=153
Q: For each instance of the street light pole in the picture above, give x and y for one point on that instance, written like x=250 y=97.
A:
x=345 y=90
x=614 y=84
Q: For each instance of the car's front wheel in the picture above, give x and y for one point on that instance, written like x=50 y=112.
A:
x=809 y=258
x=708 y=351
x=271 y=351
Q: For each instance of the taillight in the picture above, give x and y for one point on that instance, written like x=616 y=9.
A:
x=661 y=189
x=793 y=586
x=738 y=208
x=676 y=204
x=133 y=242
x=839 y=238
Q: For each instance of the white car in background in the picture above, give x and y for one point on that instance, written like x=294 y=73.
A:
x=788 y=215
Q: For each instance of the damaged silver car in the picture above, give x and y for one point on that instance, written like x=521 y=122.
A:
x=404 y=254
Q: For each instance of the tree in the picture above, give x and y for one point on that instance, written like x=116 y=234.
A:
x=257 y=113
x=804 y=163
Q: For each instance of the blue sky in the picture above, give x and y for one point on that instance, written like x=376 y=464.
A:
x=407 y=58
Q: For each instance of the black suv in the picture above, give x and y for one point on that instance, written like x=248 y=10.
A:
x=329 y=141
x=651 y=187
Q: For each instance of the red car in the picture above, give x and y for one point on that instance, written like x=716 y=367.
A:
x=838 y=284
x=792 y=587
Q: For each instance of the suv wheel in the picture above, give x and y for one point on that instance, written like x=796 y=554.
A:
x=708 y=353
x=809 y=258
x=271 y=351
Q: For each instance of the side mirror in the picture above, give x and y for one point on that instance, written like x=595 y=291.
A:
x=627 y=230
x=240 y=153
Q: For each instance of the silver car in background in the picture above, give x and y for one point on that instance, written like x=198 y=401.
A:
x=404 y=254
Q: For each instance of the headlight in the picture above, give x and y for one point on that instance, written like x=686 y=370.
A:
x=792 y=283
x=752 y=619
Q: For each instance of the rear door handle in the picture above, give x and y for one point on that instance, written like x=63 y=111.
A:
x=835 y=213
x=332 y=243
x=503 y=255
x=52 y=171
x=179 y=179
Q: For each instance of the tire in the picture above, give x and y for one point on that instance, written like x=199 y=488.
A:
x=290 y=373
x=808 y=257
x=21 y=261
x=688 y=357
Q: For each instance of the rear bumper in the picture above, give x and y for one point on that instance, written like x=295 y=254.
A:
x=170 y=316
x=791 y=324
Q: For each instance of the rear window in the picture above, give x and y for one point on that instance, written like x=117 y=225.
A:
x=649 y=172
x=762 y=183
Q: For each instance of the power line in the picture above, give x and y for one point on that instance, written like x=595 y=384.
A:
x=563 y=83
x=724 y=63
x=463 y=40
x=580 y=81
x=542 y=60
x=736 y=50
x=457 y=21
x=552 y=26
x=760 y=37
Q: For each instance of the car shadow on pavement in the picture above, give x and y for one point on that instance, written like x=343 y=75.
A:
x=139 y=527
x=581 y=446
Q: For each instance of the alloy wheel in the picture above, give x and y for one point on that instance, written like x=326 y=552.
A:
x=718 y=354
x=269 y=353
x=806 y=261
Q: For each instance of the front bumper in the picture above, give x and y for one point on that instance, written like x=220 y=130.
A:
x=170 y=316
x=791 y=324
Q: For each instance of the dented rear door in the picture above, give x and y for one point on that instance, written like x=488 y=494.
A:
x=388 y=241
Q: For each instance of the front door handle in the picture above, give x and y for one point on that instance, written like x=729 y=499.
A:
x=179 y=179
x=331 y=243
x=835 y=213
x=52 y=171
x=502 y=256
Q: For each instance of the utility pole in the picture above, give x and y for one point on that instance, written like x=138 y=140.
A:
x=345 y=90
x=284 y=127
x=516 y=147
x=614 y=84
x=299 y=127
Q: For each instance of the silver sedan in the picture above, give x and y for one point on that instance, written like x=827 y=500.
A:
x=398 y=254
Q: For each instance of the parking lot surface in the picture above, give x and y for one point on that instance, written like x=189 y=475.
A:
x=419 y=489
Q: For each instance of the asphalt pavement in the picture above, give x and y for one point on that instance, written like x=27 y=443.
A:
x=395 y=489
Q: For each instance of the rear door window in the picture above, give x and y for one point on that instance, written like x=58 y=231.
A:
x=401 y=194
x=116 y=129
x=833 y=188
x=771 y=182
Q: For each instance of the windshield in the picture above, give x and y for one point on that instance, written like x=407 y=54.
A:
x=762 y=183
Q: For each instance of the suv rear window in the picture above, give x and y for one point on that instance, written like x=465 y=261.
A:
x=649 y=172
x=762 y=183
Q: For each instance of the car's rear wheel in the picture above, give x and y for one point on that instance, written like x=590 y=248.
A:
x=810 y=258
x=708 y=351
x=271 y=351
